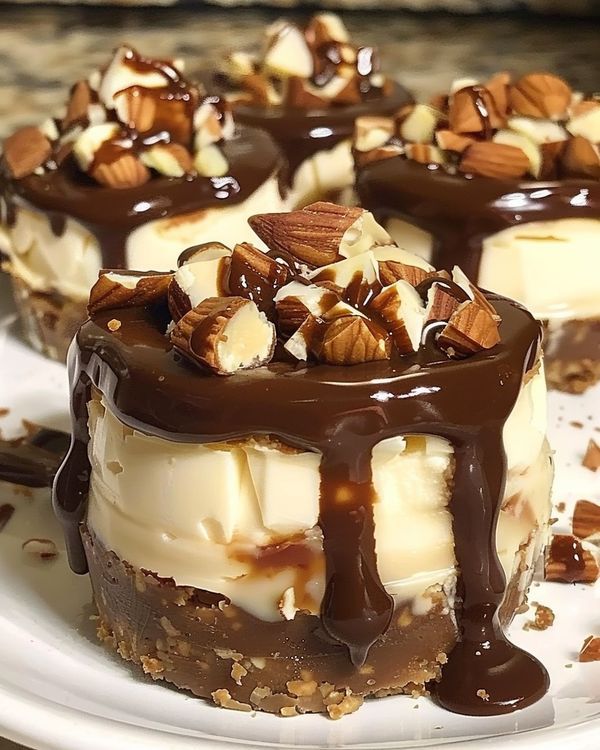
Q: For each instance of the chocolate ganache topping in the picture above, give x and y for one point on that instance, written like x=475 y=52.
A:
x=363 y=343
x=483 y=158
x=138 y=142
x=308 y=85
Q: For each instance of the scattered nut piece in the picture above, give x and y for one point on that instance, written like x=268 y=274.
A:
x=222 y=697
x=590 y=651
x=586 y=520
x=45 y=549
x=348 y=705
x=126 y=171
x=401 y=308
x=568 y=562
x=353 y=339
x=591 y=459
x=542 y=620
x=483 y=694
x=113 y=324
x=540 y=95
x=490 y=159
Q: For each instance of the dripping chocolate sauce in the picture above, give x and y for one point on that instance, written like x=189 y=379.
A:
x=342 y=413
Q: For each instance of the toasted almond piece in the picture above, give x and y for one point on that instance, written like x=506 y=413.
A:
x=117 y=289
x=204 y=251
x=471 y=110
x=586 y=520
x=567 y=561
x=586 y=125
x=261 y=89
x=317 y=234
x=170 y=159
x=211 y=162
x=590 y=651
x=89 y=141
x=540 y=95
x=441 y=303
x=542 y=620
x=136 y=108
x=460 y=278
x=288 y=54
x=378 y=154
x=580 y=106
x=402 y=310
x=497 y=88
x=326 y=27
x=255 y=276
x=356 y=277
x=391 y=271
x=296 y=301
x=77 y=107
x=419 y=125
x=226 y=334
x=126 y=171
x=299 y=94
x=44 y=549
x=352 y=339
x=470 y=329
x=497 y=160
x=591 y=460
x=371 y=131
x=193 y=282
x=552 y=154
x=300 y=343
x=581 y=157
x=424 y=153
x=450 y=141
x=531 y=150
x=25 y=151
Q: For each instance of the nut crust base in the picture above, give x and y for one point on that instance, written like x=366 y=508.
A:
x=48 y=320
x=200 y=642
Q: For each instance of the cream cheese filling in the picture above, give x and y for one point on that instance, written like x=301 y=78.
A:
x=550 y=267
x=69 y=263
x=195 y=513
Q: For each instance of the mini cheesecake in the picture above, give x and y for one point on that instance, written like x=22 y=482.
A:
x=502 y=178
x=310 y=476
x=306 y=88
x=141 y=165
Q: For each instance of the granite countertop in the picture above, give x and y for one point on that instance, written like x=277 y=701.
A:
x=44 y=49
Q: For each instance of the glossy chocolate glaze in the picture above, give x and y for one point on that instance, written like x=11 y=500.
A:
x=461 y=211
x=341 y=412
x=301 y=133
x=111 y=214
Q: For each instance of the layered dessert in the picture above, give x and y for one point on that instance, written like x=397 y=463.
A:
x=306 y=477
x=141 y=165
x=503 y=178
x=306 y=87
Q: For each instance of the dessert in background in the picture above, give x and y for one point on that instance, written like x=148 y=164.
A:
x=141 y=165
x=503 y=178
x=313 y=473
x=306 y=87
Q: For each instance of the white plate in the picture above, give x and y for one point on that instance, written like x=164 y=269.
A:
x=59 y=689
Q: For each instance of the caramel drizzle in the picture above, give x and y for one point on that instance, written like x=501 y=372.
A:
x=341 y=413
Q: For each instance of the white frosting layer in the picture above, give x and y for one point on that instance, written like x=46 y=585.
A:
x=326 y=173
x=69 y=264
x=551 y=267
x=186 y=511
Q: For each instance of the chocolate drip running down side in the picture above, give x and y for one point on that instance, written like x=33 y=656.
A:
x=461 y=211
x=342 y=413
x=302 y=133
x=111 y=215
